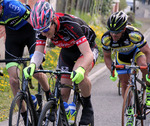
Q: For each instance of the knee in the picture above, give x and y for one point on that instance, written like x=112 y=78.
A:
x=13 y=81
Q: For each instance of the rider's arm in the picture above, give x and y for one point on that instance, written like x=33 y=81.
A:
x=87 y=54
x=146 y=50
x=107 y=58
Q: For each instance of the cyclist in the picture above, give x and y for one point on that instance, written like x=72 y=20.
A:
x=79 y=50
x=128 y=43
x=15 y=17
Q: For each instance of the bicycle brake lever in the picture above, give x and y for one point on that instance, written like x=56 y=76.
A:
x=74 y=73
x=30 y=84
x=112 y=69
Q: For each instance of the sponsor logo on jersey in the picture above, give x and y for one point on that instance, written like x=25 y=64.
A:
x=135 y=36
x=14 y=21
x=15 y=9
x=124 y=49
x=106 y=40
x=115 y=44
x=126 y=42
x=64 y=68
x=81 y=40
x=40 y=42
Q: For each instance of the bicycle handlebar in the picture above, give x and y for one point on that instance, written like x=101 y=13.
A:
x=113 y=67
x=130 y=67
x=15 y=60
x=57 y=72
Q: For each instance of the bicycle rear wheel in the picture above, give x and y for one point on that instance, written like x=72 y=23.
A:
x=50 y=115
x=15 y=117
x=129 y=101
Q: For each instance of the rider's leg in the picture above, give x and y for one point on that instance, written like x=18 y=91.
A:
x=124 y=80
x=13 y=72
x=141 y=61
x=85 y=86
x=42 y=79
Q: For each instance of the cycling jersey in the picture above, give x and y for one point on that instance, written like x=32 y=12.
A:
x=126 y=48
x=16 y=40
x=71 y=31
x=130 y=39
x=14 y=14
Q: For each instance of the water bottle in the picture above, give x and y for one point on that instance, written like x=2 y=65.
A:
x=72 y=108
x=34 y=100
x=66 y=106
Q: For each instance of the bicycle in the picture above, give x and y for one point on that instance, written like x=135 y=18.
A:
x=24 y=97
x=134 y=98
x=53 y=112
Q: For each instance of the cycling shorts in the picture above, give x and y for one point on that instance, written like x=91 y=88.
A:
x=126 y=59
x=16 y=40
x=69 y=56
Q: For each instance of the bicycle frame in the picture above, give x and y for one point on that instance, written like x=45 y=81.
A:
x=139 y=106
x=57 y=98
x=24 y=91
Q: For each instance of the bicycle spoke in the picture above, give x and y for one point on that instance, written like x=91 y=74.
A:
x=48 y=115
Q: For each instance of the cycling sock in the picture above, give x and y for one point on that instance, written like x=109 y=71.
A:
x=47 y=93
x=24 y=116
x=87 y=100
x=87 y=112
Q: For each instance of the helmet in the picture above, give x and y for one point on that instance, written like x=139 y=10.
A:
x=117 y=21
x=41 y=15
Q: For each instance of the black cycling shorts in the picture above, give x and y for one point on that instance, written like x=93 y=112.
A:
x=16 y=40
x=68 y=57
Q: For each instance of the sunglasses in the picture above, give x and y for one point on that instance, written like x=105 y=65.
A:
x=45 y=29
x=116 y=32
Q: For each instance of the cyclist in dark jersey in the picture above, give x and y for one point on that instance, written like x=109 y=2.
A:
x=19 y=33
x=79 y=51
x=127 y=42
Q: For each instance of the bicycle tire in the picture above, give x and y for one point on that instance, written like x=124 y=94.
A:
x=45 y=119
x=119 y=88
x=15 y=117
x=129 y=93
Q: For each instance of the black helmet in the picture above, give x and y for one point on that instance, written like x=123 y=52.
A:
x=117 y=21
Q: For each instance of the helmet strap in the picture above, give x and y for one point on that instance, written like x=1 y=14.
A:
x=53 y=22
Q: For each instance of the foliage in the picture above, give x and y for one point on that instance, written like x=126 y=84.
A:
x=106 y=7
x=131 y=17
x=122 y=4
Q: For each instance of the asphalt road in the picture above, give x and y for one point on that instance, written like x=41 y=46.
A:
x=107 y=103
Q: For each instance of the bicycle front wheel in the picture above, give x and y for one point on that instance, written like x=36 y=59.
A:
x=129 y=108
x=50 y=115
x=15 y=117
